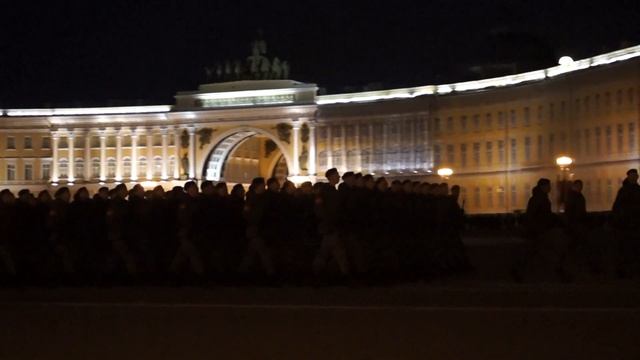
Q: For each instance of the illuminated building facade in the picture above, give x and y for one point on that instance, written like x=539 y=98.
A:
x=498 y=135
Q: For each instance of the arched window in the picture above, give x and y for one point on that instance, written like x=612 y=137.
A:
x=79 y=168
x=365 y=159
x=142 y=167
x=111 y=167
x=126 y=165
x=337 y=159
x=95 y=168
x=157 y=166
x=63 y=168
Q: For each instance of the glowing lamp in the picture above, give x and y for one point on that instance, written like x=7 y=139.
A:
x=445 y=172
x=565 y=60
x=564 y=161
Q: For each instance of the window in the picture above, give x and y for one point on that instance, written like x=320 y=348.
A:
x=500 y=120
x=598 y=136
x=157 y=166
x=620 y=138
x=500 y=191
x=619 y=98
x=586 y=106
x=527 y=148
x=450 y=154
x=79 y=168
x=157 y=140
x=632 y=137
x=551 y=112
x=489 y=197
x=95 y=141
x=489 y=149
x=322 y=132
x=540 y=114
x=500 y=151
x=526 y=194
x=488 y=121
x=563 y=141
x=587 y=141
x=540 y=147
x=597 y=103
x=11 y=143
x=514 y=120
x=46 y=171
x=463 y=155
x=577 y=144
x=476 y=197
x=28 y=143
x=436 y=155
x=46 y=142
x=513 y=158
x=352 y=156
x=463 y=123
x=608 y=141
x=527 y=117
x=562 y=109
x=95 y=168
x=449 y=124
x=552 y=144
x=11 y=172
x=172 y=163
x=476 y=122
x=630 y=96
x=607 y=101
x=126 y=167
x=111 y=167
x=336 y=131
x=142 y=141
x=577 y=107
x=63 y=168
x=436 y=124
x=476 y=154
x=142 y=167
x=337 y=158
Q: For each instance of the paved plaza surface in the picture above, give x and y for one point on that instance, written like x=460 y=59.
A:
x=483 y=315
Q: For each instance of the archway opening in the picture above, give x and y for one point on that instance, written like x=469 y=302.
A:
x=243 y=156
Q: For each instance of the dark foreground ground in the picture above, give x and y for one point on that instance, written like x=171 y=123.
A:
x=480 y=316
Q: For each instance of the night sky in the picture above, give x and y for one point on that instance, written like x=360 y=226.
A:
x=97 y=53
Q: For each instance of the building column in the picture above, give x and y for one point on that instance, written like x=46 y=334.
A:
x=343 y=145
x=103 y=156
x=412 y=144
x=165 y=154
x=296 y=153
x=70 y=155
x=176 y=164
x=385 y=141
x=311 y=168
x=149 y=154
x=371 y=143
x=356 y=140
x=119 y=155
x=329 y=146
x=134 y=155
x=87 y=156
x=55 y=172
x=192 y=152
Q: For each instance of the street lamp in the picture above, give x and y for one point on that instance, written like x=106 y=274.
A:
x=445 y=173
x=564 y=162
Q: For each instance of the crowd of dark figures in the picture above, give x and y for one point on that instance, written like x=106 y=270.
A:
x=362 y=230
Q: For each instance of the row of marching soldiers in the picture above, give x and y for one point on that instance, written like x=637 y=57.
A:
x=364 y=229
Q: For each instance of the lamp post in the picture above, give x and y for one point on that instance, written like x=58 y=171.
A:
x=564 y=162
x=445 y=173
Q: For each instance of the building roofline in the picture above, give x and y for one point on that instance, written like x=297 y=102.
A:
x=483 y=84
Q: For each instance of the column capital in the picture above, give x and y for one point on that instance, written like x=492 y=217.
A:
x=296 y=125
